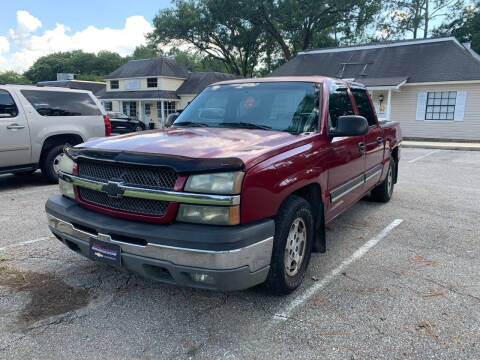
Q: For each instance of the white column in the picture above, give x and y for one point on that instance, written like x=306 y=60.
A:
x=163 y=115
x=389 y=99
x=140 y=111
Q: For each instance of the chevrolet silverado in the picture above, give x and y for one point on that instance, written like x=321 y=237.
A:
x=238 y=190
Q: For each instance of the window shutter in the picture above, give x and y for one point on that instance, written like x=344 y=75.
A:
x=421 y=105
x=460 y=105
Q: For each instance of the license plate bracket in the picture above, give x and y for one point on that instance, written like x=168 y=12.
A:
x=105 y=252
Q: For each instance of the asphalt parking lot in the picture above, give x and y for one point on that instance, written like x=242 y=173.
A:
x=399 y=281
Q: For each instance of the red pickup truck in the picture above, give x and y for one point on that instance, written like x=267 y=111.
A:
x=236 y=192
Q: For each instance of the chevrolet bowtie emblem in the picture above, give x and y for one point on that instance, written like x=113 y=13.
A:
x=113 y=189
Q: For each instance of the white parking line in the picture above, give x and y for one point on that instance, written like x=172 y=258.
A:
x=25 y=243
x=424 y=156
x=295 y=303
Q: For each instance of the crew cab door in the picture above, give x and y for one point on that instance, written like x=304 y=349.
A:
x=374 y=143
x=15 y=147
x=346 y=157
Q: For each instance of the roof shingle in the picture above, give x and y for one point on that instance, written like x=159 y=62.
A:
x=419 y=61
x=150 y=67
x=197 y=81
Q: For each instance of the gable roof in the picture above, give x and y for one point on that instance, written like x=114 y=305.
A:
x=197 y=81
x=150 y=67
x=93 y=86
x=389 y=63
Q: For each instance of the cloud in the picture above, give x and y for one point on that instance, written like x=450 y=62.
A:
x=4 y=45
x=29 y=46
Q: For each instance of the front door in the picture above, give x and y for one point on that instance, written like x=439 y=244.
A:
x=346 y=158
x=15 y=146
x=374 y=142
x=148 y=113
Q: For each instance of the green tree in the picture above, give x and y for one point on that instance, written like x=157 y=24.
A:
x=302 y=24
x=195 y=61
x=416 y=16
x=86 y=65
x=147 y=52
x=465 y=27
x=219 y=29
x=13 y=77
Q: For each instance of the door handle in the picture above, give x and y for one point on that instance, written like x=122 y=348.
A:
x=379 y=140
x=15 y=126
x=361 y=147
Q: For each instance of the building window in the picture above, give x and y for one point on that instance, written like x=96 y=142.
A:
x=168 y=107
x=152 y=82
x=113 y=84
x=129 y=108
x=107 y=105
x=441 y=105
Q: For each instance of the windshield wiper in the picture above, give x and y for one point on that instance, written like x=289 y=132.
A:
x=246 y=124
x=190 y=123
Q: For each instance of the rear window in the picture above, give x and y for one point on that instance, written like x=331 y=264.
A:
x=8 y=108
x=61 y=103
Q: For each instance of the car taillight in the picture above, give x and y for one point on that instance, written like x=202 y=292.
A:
x=108 y=125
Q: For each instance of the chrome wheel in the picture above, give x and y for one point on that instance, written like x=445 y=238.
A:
x=138 y=129
x=56 y=163
x=295 y=247
x=390 y=181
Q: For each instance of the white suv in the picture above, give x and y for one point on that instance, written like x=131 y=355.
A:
x=36 y=123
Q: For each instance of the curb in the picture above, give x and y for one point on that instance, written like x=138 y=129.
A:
x=441 y=147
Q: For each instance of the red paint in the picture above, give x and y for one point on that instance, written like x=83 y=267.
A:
x=276 y=163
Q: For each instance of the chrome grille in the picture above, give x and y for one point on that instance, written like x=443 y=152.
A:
x=162 y=178
x=133 y=205
x=158 y=178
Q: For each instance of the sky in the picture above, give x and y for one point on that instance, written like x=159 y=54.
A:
x=30 y=29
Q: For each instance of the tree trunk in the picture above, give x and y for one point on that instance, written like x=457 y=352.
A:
x=426 y=19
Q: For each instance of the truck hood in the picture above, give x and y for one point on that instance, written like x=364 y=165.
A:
x=249 y=145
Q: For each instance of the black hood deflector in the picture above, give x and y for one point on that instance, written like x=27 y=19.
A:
x=181 y=164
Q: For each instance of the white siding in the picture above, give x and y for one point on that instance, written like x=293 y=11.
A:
x=184 y=100
x=404 y=108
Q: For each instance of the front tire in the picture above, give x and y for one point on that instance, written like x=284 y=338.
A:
x=51 y=162
x=292 y=246
x=383 y=192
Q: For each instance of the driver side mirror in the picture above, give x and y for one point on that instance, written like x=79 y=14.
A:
x=350 y=125
x=171 y=119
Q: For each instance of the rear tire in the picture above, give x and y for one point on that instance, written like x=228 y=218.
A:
x=292 y=246
x=383 y=192
x=50 y=162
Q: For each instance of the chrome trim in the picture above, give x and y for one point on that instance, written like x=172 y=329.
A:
x=256 y=256
x=346 y=188
x=373 y=172
x=152 y=194
x=339 y=192
x=14 y=147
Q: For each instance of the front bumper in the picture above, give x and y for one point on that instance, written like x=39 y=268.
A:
x=213 y=257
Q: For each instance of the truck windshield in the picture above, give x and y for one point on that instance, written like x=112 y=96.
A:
x=281 y=106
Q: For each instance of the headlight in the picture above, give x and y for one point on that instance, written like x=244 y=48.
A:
x=66 y=166
x=213 y=215
x=218 y=183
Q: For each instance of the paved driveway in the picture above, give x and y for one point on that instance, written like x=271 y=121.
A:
x=399 y=281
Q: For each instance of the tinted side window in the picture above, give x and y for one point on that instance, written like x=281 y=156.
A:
x=339 y=105
x=363 y=105
x=61 y=103
x=8 y=108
